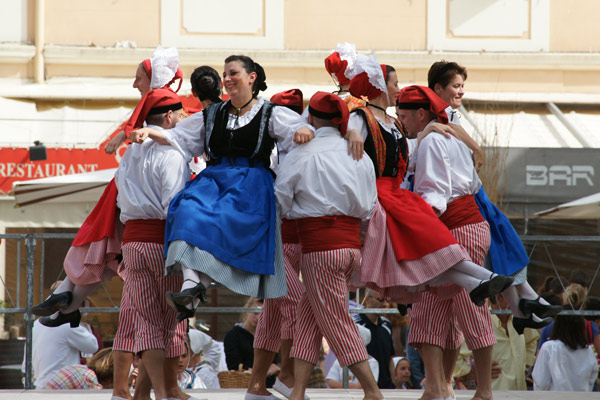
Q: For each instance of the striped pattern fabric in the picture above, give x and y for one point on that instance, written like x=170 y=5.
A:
x=278 y=316
x=436 y=321
x=323 y=309
x=237 y=280
x=402 y=281
x=154 y=321
x=124 y=337
x=94 y=262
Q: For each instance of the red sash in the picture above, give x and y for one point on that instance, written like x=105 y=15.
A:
x=144 y=230
x=100 y=223
x=328 y=233
x=289 y=231
x=462 y=211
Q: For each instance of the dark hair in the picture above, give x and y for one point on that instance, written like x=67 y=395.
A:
x=551 y=298
x=250 y=66
x=554 y=285
x=388 y=69
x=443 y=72
x=206 y=84
x=570 y=329
x=580 y=277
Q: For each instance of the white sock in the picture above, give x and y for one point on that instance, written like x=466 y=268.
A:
x=470 y=268
x=511 y=297
x=65 y=286
x=80 y=293
x=459 y=278
x=191 y=279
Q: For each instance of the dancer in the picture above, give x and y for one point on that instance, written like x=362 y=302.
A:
x=406 y=246
x=148 y=177
x=275 y=328
x=308 y=190
x=340 y=65
x=239 y=244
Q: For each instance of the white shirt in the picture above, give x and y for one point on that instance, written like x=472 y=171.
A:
x=319 y=178
x=444 y=171
x=336 y=371
x=453 y=117
x=188 y=135
x=562 y=369
x=148 y=178
x=56 y=348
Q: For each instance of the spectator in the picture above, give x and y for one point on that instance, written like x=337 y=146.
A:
x=580 y=277
x=402 y=378
x=239 y=343
x=513 y=353
x=566 y=362
x=553 y=285
x=97 y=375
x=205 y=359
x=381 y=346
x=334 y=377
x=417 y=369
x=186 y=376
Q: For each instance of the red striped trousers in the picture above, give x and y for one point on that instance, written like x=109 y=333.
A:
x=146 y=311
x=278 y=316
x=323 y=309
x=440 y=322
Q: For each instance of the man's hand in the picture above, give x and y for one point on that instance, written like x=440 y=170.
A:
x=139 y=135
x=356 y=144
x=496 y=370
x=114 y=143
x=303 y=135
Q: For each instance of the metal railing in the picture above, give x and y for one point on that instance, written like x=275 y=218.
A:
x=30 y=241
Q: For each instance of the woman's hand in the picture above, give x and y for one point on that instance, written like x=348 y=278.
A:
x=114 y=143
x=356 y=144
x=303 y=135
x=139 y=135
x=442 y=129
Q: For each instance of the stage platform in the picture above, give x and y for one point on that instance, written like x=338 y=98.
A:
x=314 y=394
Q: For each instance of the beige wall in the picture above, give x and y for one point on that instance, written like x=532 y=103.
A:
x=102 y=22
x=380 y=25
x=574 y=25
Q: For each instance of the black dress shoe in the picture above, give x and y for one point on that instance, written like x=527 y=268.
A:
x=72 y=318
x=187 y=296
x=184 y=312
x=52 y=304
x=521 y=323
x=541 y=310
x=490 y=288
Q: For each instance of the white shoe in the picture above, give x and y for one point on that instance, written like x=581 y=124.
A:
x=284 y=390
x=118 y=398
x=250 y=396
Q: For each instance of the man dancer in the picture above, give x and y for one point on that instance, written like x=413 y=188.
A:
x=447 y=180
x=328 y=193
x=149 y=176
x=277 y=321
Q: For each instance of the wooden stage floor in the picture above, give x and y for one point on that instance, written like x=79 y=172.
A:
x=314 y=394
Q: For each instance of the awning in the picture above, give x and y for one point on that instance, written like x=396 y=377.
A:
x=85 y=187
x=587 y=207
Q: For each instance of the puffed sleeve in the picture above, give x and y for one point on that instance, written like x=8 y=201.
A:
x=188 y=136
x=288 y=175
x=282 y=126
x=357 y=122
x=433 y=173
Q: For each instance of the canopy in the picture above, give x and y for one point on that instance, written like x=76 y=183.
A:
x=587 y=207
x=85 y=187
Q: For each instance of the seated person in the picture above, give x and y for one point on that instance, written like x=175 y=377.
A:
x=98 y=374
x=402 y=373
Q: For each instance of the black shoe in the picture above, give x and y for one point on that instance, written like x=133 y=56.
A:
x=490 y=288
x=52 y=304
x=541 y=310
x=521 y=323
x=73 y=318
x=184 y=312
x=187 y=296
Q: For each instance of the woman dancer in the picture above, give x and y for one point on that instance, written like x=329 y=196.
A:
x=506 y=255
x=406 y=246
x=223 y=226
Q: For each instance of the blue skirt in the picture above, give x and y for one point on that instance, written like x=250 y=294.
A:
x=228 y=210
x=507 y=253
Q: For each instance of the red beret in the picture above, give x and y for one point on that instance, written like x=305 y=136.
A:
x=361 y=85
x=291 y=99
x=156 y=101
x=331 y=107
x=415 y=97
x=336 y=68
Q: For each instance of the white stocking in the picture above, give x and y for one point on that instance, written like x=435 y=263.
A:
x=511 y=297
x=526 y=292
x=470 y=268
x=80 y=293
x=65 y=286
x=191 y=278
x=459 y=278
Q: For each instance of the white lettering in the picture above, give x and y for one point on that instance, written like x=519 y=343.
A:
x=537 y=175
x=3 y=170
x=560 y=173
x=39 y=173
x=584 y=172
x=569 y=175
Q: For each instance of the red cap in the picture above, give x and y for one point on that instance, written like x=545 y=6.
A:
x=336 y=68
x=361 y=86
x=331 y=107
x=291 y=99
x=415 y=97
x=156 y=101
x=147 y=64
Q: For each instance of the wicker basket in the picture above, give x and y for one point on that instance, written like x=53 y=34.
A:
x=239 y=379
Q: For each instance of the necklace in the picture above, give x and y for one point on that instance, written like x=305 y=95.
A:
x=237 y=110
x=377 y=107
